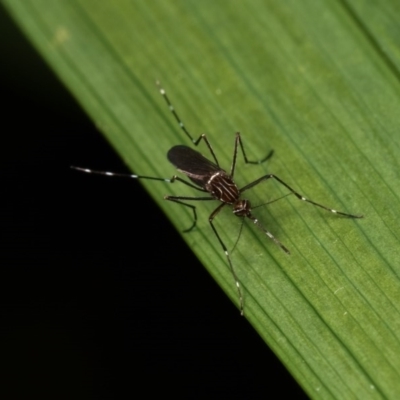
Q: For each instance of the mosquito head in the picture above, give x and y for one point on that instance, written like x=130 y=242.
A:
x=242 y=208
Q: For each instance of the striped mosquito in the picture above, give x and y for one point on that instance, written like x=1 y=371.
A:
x=208 y=177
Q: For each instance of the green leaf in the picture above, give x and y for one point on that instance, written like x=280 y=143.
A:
x=316 y=81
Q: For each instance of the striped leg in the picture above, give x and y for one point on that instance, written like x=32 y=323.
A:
x=298 y=195
x=224 y=248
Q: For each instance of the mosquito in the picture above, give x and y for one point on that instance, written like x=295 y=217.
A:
x=208 y=177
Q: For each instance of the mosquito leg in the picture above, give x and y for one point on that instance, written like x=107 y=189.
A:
x=298 y=195
x=178 y=199
x=182 y=125
x=177 y=178
x=132 y=176
x=204 y=137
x=233 y=166
x=269 y=234
x=174 y=113
x=238 y=236
x=271 y=201
x=210 y=219
x=238 y=139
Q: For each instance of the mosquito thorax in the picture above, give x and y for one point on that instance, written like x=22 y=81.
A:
x=222 y=187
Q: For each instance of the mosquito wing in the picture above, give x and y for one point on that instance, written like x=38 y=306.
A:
x=191 y=163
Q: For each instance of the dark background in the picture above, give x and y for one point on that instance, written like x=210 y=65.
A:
x=80 y=317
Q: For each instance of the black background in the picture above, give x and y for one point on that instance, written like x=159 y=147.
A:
x=82 y=316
